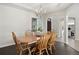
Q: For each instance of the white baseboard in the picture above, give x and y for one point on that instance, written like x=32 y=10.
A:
x=6 y=44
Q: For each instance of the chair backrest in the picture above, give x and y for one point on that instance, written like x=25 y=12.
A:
x=17 y=42
x=29 y=34
x=52 y=38
x=42 y=44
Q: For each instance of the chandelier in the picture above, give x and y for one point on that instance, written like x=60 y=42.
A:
x=40 y=10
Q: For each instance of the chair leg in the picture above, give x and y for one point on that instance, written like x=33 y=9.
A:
x=54 y=47
x=20 y=52
x=51 y=49
x=40 y=53
x=29 y=51
x=47 y=51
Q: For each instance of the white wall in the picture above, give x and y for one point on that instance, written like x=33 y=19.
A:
x=73 y=11
x=44 y=21
x=13 y=20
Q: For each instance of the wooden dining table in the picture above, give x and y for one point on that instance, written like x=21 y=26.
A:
x=29 y=39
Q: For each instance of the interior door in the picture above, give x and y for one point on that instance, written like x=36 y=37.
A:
x=49 y=24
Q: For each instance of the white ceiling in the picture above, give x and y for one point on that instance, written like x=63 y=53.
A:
x=42 y=8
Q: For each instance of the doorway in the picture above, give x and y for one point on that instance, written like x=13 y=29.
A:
x=49 y=24
x=71 y=28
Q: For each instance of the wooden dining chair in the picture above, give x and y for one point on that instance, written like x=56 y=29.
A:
x=30 y=35
x=52 y=41
x=20 y=47
x=41 y=44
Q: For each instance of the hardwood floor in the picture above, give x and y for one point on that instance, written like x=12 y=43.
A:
x=61 y=49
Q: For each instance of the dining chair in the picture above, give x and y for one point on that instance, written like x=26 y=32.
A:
x=52 y=41
x=30 y=35
x=41 y=44
x=20 y=47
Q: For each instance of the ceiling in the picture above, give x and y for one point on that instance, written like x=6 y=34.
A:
x=43 y=8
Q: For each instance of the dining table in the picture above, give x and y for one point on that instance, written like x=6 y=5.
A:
x=29 y=39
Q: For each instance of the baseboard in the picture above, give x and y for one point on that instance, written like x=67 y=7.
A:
x=72 y=47
x=5 y=45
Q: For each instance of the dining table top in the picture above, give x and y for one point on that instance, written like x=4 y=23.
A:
x=29 y=39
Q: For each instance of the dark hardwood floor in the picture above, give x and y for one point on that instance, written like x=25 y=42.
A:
x=61 y=49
